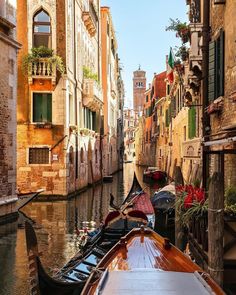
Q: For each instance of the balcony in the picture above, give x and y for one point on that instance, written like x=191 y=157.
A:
x=90 y=17
x=92 y=95
x=195 y=52
x=42 y=69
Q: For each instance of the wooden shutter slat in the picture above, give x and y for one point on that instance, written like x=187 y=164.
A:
x=222 y=55
x=211 y=72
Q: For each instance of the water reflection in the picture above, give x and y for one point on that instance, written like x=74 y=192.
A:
x=57 y=224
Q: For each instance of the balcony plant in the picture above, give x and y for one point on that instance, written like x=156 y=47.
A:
x=182 y=52
x=88 y=74
x=40 y=52
x=181 y=29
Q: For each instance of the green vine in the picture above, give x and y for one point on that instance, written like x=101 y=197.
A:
x=40 y=52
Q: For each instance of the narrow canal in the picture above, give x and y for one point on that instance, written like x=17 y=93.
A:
x=56 y=224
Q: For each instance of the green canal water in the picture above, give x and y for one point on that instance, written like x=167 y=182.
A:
x=56 y=224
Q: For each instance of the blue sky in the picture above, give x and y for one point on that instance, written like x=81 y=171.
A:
x=142 y=39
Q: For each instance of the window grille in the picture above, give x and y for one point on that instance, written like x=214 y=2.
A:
x=38 y=155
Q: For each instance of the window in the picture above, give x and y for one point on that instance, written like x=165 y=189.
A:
x=42 y=29
x=38 y=155
x=216 y=68
x=168 y=89
x=90 y=119
x=42 y=107
x=139 y=84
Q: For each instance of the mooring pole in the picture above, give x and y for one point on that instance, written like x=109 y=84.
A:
x=216 y=228
x=178 y=177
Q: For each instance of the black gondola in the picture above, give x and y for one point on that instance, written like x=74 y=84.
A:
x=71 y=279
x=163 y=202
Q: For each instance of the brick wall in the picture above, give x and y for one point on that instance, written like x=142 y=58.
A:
x=7 y=125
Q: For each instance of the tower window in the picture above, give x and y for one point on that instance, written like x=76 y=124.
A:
x=139 y=84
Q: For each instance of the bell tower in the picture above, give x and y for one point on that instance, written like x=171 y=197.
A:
x=139 y=87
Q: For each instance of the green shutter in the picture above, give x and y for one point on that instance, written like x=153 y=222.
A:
x=42 y=107
x=49 y=107
x=221 y=70
x=211 y=74
x=191 y=122
x=37 y=102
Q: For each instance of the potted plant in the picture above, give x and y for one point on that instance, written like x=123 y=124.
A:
x=191 y=202
x=181 y=29
x=42 y=52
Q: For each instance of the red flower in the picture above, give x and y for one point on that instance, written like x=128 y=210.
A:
x=191 y=194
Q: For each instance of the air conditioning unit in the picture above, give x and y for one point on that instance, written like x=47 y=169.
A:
x=219 y=1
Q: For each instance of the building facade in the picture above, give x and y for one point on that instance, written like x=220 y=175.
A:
x=8 y=83
x=61 y=96
x=113 y=92
x=131 y=118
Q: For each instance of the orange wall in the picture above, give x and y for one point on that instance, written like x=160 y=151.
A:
x=22 y=85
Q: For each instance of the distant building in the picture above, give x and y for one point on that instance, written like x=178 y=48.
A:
x=139 y=87
x=113 y=96
x=131 y=118
x=8 y=84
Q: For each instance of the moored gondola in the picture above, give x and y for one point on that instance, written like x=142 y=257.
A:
x=163 y=202
x=153 y=175
x=25 y=198
x=72 y=277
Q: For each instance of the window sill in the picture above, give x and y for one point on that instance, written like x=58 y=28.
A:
x=43 y=125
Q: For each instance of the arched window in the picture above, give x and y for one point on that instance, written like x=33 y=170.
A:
x=42 y=29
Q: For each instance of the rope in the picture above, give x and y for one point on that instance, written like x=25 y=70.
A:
x=215 y=270
x=216 y=210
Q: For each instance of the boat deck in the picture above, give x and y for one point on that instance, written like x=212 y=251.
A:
x=145 y=263
x=151 y=254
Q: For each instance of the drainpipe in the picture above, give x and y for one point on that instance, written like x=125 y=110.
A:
x=205 y=66
x=75 y=102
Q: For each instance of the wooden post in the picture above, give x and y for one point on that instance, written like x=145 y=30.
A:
x=216 y=228
x=178 y=176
